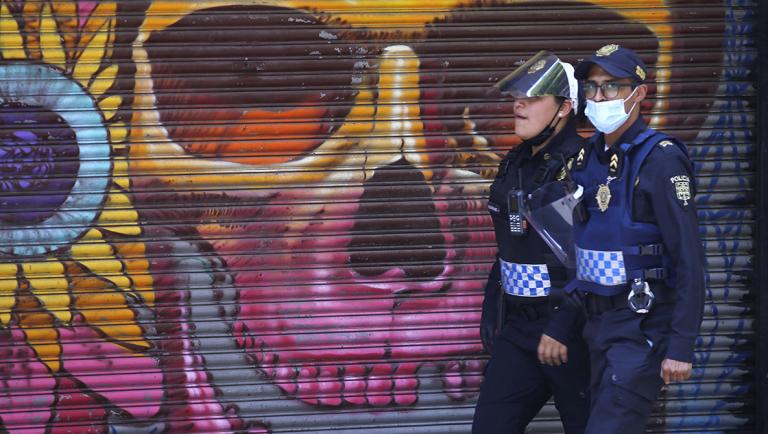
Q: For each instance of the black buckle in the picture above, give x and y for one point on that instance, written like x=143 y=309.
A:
x=654 y=273
x=651 y=250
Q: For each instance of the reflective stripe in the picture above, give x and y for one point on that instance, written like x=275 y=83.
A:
x=604 y=268
x=525 y=280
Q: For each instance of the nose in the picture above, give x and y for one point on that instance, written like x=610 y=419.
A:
x=598 y=95
x=396 y=226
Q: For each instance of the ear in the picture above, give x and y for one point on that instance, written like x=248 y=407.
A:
x=565 y=108
x=641 y=92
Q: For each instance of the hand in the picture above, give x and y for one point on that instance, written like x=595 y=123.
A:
x=673 y=370
x=487 y=335
x=552 y=352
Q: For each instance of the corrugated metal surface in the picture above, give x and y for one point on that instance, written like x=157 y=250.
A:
x=270 y=216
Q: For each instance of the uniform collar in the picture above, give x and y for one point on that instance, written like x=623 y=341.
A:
x=636 y=128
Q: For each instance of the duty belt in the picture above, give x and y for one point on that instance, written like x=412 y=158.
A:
x=596 y=304
x=525 y=280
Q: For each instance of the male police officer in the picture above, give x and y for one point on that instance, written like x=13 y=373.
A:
x=640 y=262
x=539 y=352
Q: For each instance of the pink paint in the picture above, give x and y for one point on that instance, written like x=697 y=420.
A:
x=26 y=386
x=110 y=371
x=84 y=9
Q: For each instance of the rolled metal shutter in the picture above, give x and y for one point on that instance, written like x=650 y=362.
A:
x=270 y=216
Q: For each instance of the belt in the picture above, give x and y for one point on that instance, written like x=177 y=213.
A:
x=530 y=310
x=596 y=304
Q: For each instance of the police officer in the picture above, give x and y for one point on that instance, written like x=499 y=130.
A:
x=640 y=261
x=538 y=352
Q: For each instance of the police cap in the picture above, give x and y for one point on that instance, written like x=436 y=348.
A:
x=617 y=61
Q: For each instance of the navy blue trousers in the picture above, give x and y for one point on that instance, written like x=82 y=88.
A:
x=517 y=385
x=626 y=350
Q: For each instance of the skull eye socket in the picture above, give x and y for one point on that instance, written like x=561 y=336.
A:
x=225 y=89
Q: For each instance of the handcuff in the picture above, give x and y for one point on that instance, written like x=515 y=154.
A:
x=640 y=298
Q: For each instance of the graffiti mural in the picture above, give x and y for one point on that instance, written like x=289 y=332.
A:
x=269 y=216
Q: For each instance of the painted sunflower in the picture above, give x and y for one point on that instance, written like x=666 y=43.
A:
x=73 y=274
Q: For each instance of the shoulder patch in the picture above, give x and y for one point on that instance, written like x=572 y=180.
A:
x=682 y=188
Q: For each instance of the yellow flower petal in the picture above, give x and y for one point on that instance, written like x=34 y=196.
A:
x=8 y=287
x=8 y=270
x=117 y=133
x=67 y=21
x=103 y=309
x=103 y=81
x=109 y=106
x=42 y=336
x=58 y=305
x=117 y=199
x=6 y=306
x=50 y=40
x=130 y=231
x=118 y=216
x=119 y=172
x=92 y=56
x=12 y=46
x=37 y=269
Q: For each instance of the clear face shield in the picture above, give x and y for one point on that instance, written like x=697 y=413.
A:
x=550 y=211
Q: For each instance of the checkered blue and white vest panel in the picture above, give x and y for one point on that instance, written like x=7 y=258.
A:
x=525 y=280
x=604 y=268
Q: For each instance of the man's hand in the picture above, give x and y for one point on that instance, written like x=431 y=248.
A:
x=552 y=352
x=673 y=370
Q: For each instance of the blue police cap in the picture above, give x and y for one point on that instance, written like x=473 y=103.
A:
x=617 y=61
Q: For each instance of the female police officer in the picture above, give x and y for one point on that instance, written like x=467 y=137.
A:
x=538 y=351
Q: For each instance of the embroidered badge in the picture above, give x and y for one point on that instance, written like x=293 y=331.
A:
x=665 y=143
x=607 y=50
x=538 y=66
x=682 y=188
x=640 y=72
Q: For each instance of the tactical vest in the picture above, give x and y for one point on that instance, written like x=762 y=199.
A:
x=527 y=266
x=612 y=249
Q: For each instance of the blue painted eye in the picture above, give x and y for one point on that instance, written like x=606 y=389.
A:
x=54 y=159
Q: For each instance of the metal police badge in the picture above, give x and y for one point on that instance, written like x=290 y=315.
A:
x=607 y=50
x=603 y=197
x=682 y=188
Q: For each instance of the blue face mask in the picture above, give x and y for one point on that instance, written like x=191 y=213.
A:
x=608 y=116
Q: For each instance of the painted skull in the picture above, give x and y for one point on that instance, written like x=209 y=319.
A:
x=288 y=194
x=338 y=169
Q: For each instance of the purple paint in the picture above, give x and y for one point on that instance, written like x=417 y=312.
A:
x=38 y=163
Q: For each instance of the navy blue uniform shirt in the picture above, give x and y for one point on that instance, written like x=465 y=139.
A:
x=530 y=248
x=656 y=201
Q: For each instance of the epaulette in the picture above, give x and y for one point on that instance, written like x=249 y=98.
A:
x=580 y=160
